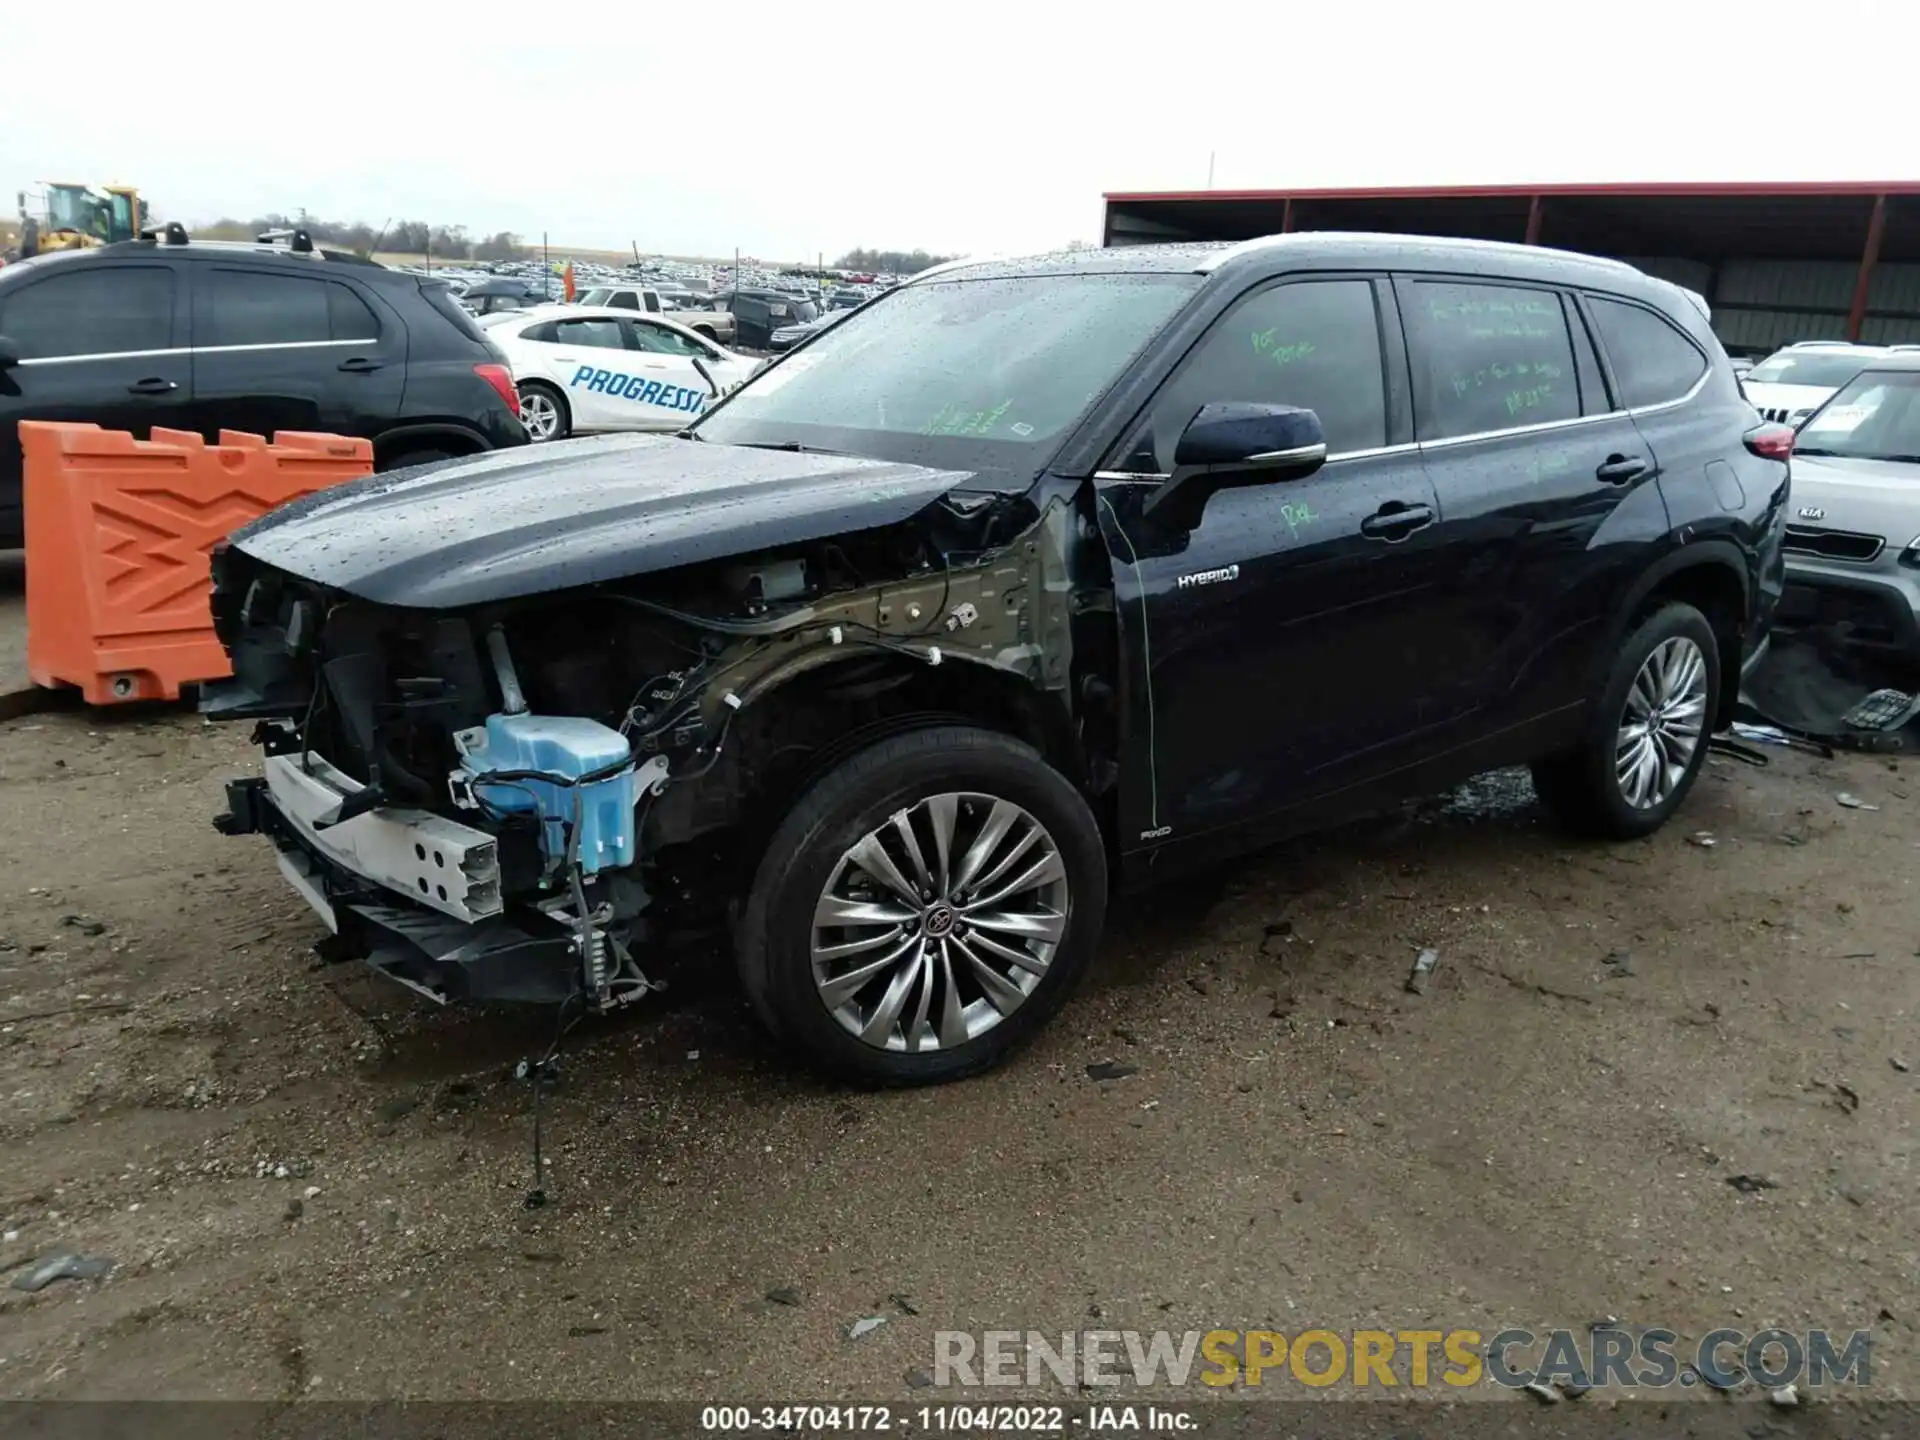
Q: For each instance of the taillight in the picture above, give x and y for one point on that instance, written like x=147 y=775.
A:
x=1771 y=442
x=502 y=382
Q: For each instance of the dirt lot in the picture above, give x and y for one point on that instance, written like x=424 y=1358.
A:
x=312 y=1185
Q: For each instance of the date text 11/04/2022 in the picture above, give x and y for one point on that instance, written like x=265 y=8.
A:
x=959 y=1419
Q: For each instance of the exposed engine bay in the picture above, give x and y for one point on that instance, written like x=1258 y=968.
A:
x=517 y=800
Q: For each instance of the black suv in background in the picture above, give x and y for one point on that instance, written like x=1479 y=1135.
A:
x=758 y=313
x=206 y=337
x=1032 y=573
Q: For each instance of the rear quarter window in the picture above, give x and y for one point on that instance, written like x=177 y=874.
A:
x=1652 y=361
x=441 y=301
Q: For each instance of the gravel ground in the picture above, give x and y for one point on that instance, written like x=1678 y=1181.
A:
x=312 y=1183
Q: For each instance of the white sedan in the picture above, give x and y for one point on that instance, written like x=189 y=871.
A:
x=586 y=368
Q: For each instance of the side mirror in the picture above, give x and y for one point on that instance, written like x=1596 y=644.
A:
x=1235 y=444
x=9 y=353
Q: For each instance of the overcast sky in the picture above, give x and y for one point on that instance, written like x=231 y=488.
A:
x=788 y=129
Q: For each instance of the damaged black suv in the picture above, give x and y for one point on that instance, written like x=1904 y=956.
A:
x=1024 y=577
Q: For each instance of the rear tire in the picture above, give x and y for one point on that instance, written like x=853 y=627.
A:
x=1646 y=737
x=915 y=996
x=545 y=413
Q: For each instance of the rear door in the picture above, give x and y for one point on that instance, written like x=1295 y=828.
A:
x=1548 y=504
x=98 y=343
x=275 y=351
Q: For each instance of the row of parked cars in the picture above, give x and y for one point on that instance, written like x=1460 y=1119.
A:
x=269 y=337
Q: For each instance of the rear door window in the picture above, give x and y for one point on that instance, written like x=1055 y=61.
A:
x=250 y=307
x=95 y=310
x=348 y=317
x=1487 y=357
x=593 y=334
x=1652 y=361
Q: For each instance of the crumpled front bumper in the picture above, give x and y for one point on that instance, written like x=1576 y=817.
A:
x=414 y=894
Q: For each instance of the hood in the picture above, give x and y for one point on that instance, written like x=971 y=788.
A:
x=1876 y=497
x=550 y=517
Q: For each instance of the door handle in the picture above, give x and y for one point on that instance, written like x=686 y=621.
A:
x=153 y=385
x=360 y=365
x=1396 y=520
x=1619 y=469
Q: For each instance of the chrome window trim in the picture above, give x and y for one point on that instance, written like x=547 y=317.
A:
x=195 y=350
x=1407 y=447
x=1144 y=476
x=1577 y=420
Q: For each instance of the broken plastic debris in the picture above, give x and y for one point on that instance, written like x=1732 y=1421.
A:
x=1764 y=734
x=865 y=1326
x=1422 y=970
x=1786 y=1396
x=61 y=1265
x=1110 y=1070
x=1854 y=802
x=1703 y=838
x=1882 y=710
x=1544 y=1393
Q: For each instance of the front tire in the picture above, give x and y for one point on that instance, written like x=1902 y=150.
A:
x=1646 y=738
x=544 y=411
x=924 y=908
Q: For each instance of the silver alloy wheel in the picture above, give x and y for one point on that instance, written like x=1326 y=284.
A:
x=540 y=413
x=1662 y=724
x=940 y=923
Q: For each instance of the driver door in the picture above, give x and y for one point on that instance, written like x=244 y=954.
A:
x=1289 y=648
x=674 y=393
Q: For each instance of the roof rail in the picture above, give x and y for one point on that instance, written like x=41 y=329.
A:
x=298 y=241
x=1262 y=242
x=172 y=233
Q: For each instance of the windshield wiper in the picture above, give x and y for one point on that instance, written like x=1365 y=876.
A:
x=790 y=445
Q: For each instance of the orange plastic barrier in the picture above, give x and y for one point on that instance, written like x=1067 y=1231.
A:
x=118 y=534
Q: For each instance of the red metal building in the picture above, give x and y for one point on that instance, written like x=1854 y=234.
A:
x=1777 y=262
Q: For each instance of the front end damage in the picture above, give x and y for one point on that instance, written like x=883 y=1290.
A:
x=522 y=799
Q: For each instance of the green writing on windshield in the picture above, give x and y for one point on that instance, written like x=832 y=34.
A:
x=1281 y=352
x=959 y=420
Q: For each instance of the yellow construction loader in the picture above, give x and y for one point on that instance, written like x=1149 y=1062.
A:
x=78 y=217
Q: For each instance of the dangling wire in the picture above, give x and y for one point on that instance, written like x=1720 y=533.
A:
x=539 y=1071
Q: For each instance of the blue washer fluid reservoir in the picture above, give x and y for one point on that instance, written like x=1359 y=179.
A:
x=560 y=745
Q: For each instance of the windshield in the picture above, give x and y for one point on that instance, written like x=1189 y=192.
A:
x=977 y=374
x=1877 y=417
x=1830 y=368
